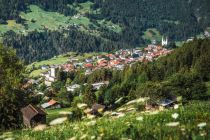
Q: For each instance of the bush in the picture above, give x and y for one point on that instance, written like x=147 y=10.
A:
x=75 y=115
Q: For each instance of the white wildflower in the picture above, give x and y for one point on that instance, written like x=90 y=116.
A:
x=73 y=138
x=40 y=127
x=139 y=118
x=82 y=106
x=58 y=121
x=131 y=102
x=83 y=136
x=122 y=109
x=65 y=113
x=9 y=139
x=175 y=115
x=131 y=109
x=203 y=133
x=201 y=125
x=120 y=115
x=119 y=100
x=93 y=137
x=91 y=123
x=91 y=116
x=172 y=124
x=176 y=106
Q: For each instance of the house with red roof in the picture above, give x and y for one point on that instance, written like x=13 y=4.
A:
x=52 y=104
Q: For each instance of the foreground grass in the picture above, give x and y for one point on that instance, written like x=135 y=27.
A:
x=153 y=126
x=56 y=113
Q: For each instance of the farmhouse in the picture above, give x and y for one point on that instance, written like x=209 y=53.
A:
x=33 y=116
x=73 y=87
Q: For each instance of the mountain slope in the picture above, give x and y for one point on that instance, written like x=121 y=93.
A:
x=133 y=23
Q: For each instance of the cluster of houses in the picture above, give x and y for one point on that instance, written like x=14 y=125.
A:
x=117 y=60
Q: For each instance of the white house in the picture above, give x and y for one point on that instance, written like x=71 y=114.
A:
x=97 y=86
x=73 y=87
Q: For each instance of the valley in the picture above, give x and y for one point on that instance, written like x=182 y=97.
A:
x=104 y=70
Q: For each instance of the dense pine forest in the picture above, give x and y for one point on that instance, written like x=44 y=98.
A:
x=38 y=46
x=179 y=20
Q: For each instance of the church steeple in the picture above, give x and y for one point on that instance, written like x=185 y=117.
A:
x=164 y=41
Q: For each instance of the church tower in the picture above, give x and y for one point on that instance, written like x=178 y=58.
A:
x=164 y=41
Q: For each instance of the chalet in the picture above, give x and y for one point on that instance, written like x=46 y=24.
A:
x=52 y=104
x=33 y=116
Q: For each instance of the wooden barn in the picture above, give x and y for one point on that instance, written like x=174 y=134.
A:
x=33 y=116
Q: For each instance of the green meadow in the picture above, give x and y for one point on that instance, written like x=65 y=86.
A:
x=38 y=19
x=189 y=122
x=152 y=34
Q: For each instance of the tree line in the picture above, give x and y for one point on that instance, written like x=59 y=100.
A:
x=38 y=46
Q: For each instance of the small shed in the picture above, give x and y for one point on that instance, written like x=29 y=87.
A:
x=97 y=108
x=33 y=116
x=166 y=103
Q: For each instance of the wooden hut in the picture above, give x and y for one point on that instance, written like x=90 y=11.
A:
x=33 y=116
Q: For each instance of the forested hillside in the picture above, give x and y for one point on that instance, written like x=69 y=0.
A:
x=10 y=9
x=183 y=73
x=178 y=19
x=109 y=23
x=39 y=46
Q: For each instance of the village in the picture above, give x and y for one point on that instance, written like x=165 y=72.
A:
x=116 y=61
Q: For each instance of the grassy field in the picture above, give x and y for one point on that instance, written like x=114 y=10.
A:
x=152 y=34
x=56 y=113
x=11 y=25
x=39 y=19
x=191 y=122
